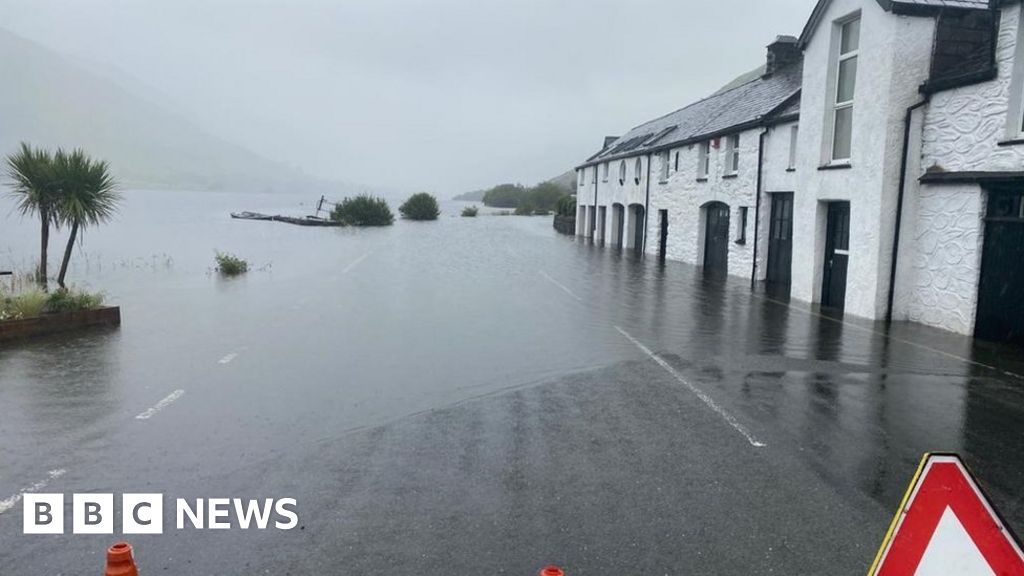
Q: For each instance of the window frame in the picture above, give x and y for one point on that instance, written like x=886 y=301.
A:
x=794 y=138
x=677 y=162
x=742 y=231
x=622 y=172
x=664 y=165
x=732 y=155
x=638 y=168
x=604 y=173
x=835 y=105
x=703 y=160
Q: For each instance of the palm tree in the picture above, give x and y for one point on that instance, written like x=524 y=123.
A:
x=87 y=196
x=35 y=188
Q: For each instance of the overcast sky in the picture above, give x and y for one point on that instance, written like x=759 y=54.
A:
x=441 y=95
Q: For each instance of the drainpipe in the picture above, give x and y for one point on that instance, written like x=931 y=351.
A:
x=647 y=206
x=907 y=120
x=757 y=204
x=593 y=233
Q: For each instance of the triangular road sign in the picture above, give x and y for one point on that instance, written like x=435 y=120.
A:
x=946 y=526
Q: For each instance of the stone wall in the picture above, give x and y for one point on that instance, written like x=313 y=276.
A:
x=565 y=224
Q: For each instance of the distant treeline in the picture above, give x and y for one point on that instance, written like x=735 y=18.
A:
x=543 y=197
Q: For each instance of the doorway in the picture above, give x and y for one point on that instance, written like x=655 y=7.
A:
x=663 y=235
x=780 y=240
x=837 y=256
x=716 y=238
x=1000 y=306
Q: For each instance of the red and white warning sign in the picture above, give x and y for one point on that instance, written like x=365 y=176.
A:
x=945 y=526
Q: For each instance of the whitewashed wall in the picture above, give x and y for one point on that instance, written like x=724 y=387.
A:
x=893 y=61
x=684 y=196
x=776 y=177
x=963 y=126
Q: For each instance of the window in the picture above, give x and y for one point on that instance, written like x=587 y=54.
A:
x=793 y=133
x=676 y=168
x=622 y=173
x=703 y=160
x=582 y=175
x=846 y=81
x=732 y=154
x=636 y=170
x=604 y=175
x=664 y=166
x=742 y=231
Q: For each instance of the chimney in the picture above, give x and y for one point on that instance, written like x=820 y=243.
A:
x=782 y=53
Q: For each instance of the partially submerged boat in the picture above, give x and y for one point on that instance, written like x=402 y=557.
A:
x=306 y=221
x=251 y=216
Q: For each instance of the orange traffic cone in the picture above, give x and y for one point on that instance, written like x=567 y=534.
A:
x=552 y=571
x=120 y=561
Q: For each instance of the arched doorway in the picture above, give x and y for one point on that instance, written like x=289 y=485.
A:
x=716 y=238
x=618 y=224
x=635 y=227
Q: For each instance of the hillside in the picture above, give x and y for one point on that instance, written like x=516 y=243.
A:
x=565 y=180
x=50 y=101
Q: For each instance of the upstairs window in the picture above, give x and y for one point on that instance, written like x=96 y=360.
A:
x=846 y=81
x=637 y=167
x=703 y=160
x=622 y=173
x=604 y=173
x=676 y=167
x=732 y=155
x=664 y=166
x=793 y=133
x=582 y=175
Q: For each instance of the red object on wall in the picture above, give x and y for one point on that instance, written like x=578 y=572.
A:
x=552 y=571
x=715 y=143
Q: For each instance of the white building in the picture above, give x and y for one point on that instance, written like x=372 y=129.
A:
x=876 y=166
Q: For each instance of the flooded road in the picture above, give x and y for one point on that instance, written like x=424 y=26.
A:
x=477 y=396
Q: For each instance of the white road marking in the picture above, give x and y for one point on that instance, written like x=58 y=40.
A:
x=228 y=358
x=697 y=391
x=161 y=405
x=8 y=503
x=355 y=263
x=560 y=285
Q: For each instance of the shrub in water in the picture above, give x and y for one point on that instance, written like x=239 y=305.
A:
x=231 y=265
x=566 y=206
x=470 y=211
x=524 y=209
x=363 y=210
x=420 y=206
x=65 y=300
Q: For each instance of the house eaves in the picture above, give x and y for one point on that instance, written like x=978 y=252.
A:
x=901 y=7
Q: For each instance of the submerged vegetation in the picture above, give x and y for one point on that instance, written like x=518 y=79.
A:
x=36 y=302
x=470 y=212
x=363 y=210
x=61 y=189
x=421 y=206
x=230 y=265
x=539 y=199
x=566 y=206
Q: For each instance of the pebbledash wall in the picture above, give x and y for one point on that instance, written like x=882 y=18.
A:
x=959 y=131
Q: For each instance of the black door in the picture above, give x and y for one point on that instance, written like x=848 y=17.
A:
x=1000 y=305
x=837 y=255
x=638 y=234
x=780 y=239
x=663 y=238
x=716 y=239
x=620 y=238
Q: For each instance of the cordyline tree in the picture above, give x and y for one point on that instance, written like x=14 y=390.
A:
x=33 y=185
x=65 y=188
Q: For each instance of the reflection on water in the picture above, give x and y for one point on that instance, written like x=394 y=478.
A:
x=335 y=330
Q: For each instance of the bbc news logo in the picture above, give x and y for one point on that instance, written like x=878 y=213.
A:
x=144 y=514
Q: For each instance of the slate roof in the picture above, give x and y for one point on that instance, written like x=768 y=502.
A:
x=722 y=113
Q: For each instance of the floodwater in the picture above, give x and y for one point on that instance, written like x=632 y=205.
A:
x=429 y=392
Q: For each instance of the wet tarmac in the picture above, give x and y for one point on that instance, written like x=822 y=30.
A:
x=478 y=396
